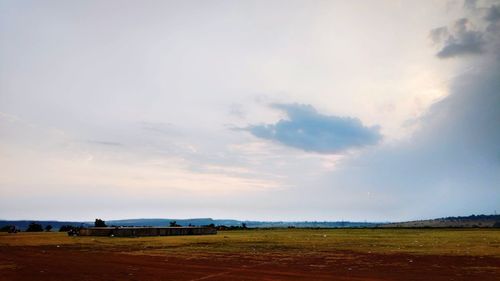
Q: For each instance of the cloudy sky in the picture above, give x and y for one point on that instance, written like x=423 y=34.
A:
x=270 y=110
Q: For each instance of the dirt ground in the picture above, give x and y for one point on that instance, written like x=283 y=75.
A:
x=280 y=254
x=68 y=262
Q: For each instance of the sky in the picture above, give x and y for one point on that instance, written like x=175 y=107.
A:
x=258 y=110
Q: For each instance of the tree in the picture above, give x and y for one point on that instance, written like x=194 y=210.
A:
x=48 y=227
x=34 y=227
x=99 y=223
x=66 y=228
x=8 y=228
x=174 y=224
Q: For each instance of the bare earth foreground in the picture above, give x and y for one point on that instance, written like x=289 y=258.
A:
x=288 y=254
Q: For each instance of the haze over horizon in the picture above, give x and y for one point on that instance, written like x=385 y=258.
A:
x=250 y=110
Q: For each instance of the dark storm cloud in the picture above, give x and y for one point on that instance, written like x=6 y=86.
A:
x=493 y=18
x=493 y=14
x=470 y=4
x=439 y=34
x=454 y=156
x=461 y=40
x=309 y=130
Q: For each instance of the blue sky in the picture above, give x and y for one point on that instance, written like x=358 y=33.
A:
x=309 y=110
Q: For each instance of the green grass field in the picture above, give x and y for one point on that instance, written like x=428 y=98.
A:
x=468 y=242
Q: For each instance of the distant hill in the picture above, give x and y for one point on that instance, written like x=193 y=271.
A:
x=166 y=222
x=229 y=222
x=23 y=224
x=470 y=221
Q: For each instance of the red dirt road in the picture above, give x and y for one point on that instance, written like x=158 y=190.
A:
x=70 y=263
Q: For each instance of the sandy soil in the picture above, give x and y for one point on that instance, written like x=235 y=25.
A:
x=67 y=262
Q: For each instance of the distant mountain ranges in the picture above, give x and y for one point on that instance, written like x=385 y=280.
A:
x=470 y=221
x=228 y=222
x=23 y=224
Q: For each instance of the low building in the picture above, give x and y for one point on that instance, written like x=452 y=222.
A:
x=145 y=231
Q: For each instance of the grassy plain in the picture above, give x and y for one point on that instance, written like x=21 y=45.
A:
x=472 y=242
x=259 y=254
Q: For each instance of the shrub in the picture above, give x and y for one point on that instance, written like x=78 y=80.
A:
x=99 y=223
x=8 y=228
x=34 y=227
x=66 y=228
